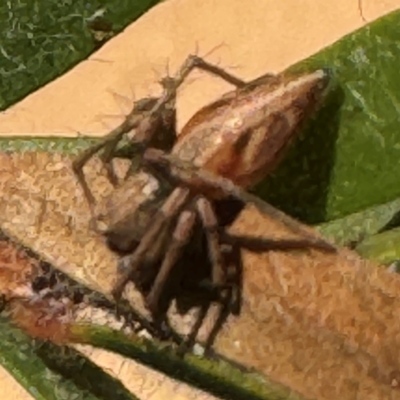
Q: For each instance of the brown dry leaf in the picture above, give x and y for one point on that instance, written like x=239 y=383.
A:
x=42 y=208
x=16 y=270
x=42 y=319
x=325 y=325
x=37 y=317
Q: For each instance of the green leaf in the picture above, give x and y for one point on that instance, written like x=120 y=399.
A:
x=50 y=374
x=383 y=248
x=356 y=227
x=348 y=157
x=62 y=145
x=216 y=376
x=43 y=39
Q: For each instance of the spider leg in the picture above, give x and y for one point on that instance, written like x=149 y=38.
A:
x=181 y=236
x=190 y=340
x=195 y=62
x=210 y=224
x=261 y=244
x=106 y=158
x=110 y=141
x=146 y=130
x=206 y=182
x=164 y=136
x=218 y=272
x=172 y=206
x=171 y=85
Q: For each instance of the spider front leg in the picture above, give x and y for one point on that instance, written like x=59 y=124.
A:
x=109 y=144
x=82 y=159
x=227 y=292
x=182 y=234
x=171 y=85
x=161 y=135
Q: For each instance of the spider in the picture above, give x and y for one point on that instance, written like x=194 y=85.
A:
x=225 y=148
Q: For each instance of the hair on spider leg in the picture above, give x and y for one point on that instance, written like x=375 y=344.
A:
x=361 y=11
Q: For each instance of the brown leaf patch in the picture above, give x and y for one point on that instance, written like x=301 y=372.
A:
x=16 y=270
x=325 y=325
x=42 y=319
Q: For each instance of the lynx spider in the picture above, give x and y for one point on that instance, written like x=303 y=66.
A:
x=195 y=187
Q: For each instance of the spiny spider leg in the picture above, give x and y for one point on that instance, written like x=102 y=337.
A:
x=167 y=128
x=106 y=158
x=77 y=165
x=259 y=244
x=201 y=180
x=171 y=86
x=109 y=145
x=172 y=206
x=181 y=236
x=146 y=128
x=210 y=224
x=192 y=62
